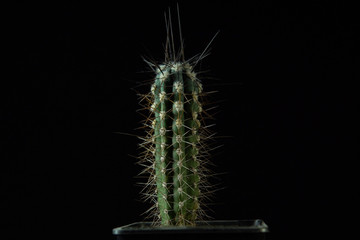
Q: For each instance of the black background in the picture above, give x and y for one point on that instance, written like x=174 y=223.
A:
x=284 y=73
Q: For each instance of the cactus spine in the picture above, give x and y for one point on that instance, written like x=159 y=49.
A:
x=175 y=143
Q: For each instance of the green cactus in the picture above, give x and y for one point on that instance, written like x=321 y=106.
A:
x=176 y=106
x=175 y=142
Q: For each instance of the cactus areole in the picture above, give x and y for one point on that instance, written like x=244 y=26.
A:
x=175 y=153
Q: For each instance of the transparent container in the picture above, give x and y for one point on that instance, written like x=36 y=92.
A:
x=222 y=230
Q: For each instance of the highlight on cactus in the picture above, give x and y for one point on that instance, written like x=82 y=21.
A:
x=176 y=143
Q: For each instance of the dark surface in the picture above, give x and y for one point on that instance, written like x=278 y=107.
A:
x=285 y=72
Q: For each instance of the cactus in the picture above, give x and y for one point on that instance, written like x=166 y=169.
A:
x=175 y=151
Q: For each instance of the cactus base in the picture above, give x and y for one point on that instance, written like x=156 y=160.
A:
x=224 y=230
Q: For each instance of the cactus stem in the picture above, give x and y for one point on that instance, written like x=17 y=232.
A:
x=175 y=149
